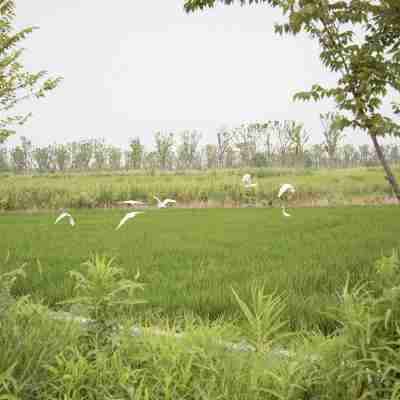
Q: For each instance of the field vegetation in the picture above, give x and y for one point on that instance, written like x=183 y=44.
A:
x=213 y=188
x=190 y=258
x=321 y=320
x=211 y=300
x=232 y=303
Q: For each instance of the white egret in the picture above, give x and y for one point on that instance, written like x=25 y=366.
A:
x=128 y=216
x=247 y=181
x=132 y=202
x=63 y=215
x=286 y=188
x=164 y=203
x=285 y=214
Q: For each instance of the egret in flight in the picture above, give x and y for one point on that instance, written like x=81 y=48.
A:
x=164 y=203
x=247 y=181
x=285 y=214
x=132 y=202
x=63 y=215
x=128 y=216
x=285 y=188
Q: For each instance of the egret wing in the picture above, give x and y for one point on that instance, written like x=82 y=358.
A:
x=246 y=179
x=60 y=217
x=284 y=188
x=167 y=201
x=158 y=200
x=123 y=220
x=132 y=202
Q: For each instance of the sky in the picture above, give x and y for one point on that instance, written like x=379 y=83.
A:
x=142 y=66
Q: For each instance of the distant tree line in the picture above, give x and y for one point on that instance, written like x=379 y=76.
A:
x=269 y=144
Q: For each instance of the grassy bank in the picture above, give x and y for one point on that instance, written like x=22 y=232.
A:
x=210 y=188
x=46 y=358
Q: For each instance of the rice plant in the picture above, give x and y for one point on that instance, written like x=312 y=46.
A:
x=193 y=257
x=102 y=292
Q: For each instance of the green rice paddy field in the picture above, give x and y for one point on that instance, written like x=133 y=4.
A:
x=190 y=258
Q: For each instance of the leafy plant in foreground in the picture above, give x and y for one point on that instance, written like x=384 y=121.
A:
x=264 y=317
x=103 y=292
x=388 y=268
x=7 y=281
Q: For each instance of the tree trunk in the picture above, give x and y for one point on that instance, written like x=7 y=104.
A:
x=389 y=174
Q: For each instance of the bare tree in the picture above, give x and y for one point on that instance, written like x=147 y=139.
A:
x=245 y=138
x=395 y=153
x=349 y=155
x=230 y=157
x=21 y=155
x=264 y=139
x=187 y=151
x=164 y=148
x=151 y=161
x=81 y=154
x=364 y=152
x=211 y=155
x=318 y=151
x=137 y=152
x=281 y=134
x=114 y=156
x=100 y=153
x=224 y=144
x=333 y=134
x=4 y=160
x=298 y=139
x=62 y=156
x=43 y=157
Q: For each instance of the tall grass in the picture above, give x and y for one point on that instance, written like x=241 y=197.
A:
x=212 y=188
x=44 y=358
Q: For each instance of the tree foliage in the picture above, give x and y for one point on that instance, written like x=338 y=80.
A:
x=61 y=156
x=164 y=148
x=21 y=155
x=360 y=41
x=187 y=150
x=100 y=153
x=136 y=153
x=246 y=139
x=16 y=84
x=358 y=38
x=275 y=149
x=43 y=158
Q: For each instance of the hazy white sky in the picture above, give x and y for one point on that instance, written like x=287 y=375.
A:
x=140 y=66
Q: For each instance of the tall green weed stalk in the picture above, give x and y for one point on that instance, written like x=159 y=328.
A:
x=102 y=293
x=265 y=325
